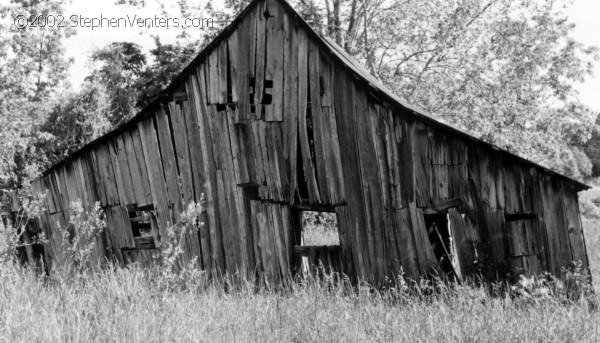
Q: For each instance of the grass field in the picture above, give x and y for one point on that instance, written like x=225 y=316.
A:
x=128 y=305
x=122 y=307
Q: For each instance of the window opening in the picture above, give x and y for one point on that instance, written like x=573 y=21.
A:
x=317 y=242
x=143 y=227
x=319 y=229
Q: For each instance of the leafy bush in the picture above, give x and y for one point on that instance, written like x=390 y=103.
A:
x=78 y=238
x=170 y=266
x=578 y=282
x=575 y=285
x=12 y=232
x=589 y=203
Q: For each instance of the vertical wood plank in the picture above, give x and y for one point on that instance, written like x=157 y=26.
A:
x=408 y=171
x=427 y=259
x=290 y=103
x=246 y=42
x=223 y=69
x=274 y=59
x=212 y=77
x=182 y=151
x=194 y=140
x=156 y=176
x=210 y=185
x=108 y=176
x=198 y=168
x=78 y=165
x=122 y=171
x=574 y=224
x=303 y=84
x=137 y=168
x=96 y=169
x=259 y=66
x=406 y=243
x=465 y=241
x=169 y=164
x=71 y=183
x=62 y=187
x=422 y=162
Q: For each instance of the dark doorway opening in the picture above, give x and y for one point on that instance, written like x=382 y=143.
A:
x=440 y=237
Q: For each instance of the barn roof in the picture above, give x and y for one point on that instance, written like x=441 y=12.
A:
x=343 y=58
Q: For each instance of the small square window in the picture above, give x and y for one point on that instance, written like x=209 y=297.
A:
x=319 y=243
x=144 y=227
x=319 y=229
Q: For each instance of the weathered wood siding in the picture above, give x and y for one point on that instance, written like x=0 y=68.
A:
x=271 y=120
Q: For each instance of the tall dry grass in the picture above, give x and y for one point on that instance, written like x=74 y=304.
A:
x=590 y=210
x=127 y=305
x=134 y=305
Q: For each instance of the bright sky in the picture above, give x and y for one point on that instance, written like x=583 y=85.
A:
x=584 y=13
x=80 y=45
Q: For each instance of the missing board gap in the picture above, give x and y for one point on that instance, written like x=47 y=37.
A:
x=512 y=217
x=321 y=86
x=229 y=99
x=267 y=99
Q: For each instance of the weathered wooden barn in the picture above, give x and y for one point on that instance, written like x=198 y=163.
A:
x=272 y=119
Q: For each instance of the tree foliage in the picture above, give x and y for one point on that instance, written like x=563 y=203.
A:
x=33 y=72
x=169 y=60
x=502 y=70
x=592 y=149
x=77 y=119
x=117 y=67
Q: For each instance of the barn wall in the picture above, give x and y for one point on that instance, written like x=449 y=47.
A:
x=270 y=121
